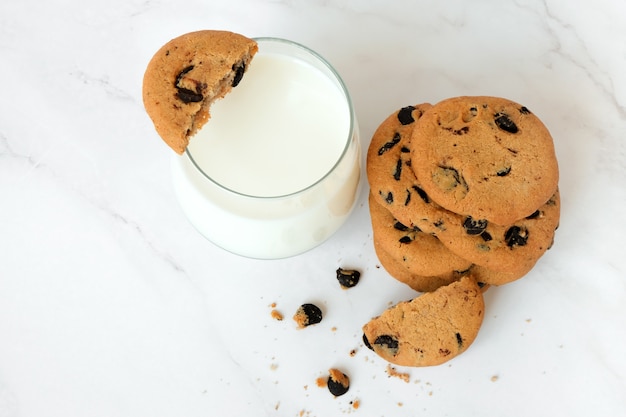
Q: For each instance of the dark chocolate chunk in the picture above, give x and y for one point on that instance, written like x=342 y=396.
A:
x=505 y=123
x=399 y=226
x=307 y=315
x=503 y=172
x=184 y=94
x=405 y=239
x=516 y=236
x=367 y=342
x=524 y=110
x=348 y=278
x=338 y=383
x=404 y=149
x=398 y=172
x=408 y=198
x=393 y=142
x=239 y=70
x=474 y=227
x=405 y=115
x=486 y=236
x=534 y=215
x=422 y=194
x=389 y=197
x=387 y=342
x=459 y=340
x=188 y=96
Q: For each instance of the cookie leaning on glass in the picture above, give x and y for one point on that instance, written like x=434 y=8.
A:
x=186 y=75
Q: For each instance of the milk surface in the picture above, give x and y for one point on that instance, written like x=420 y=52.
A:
x=280 y=130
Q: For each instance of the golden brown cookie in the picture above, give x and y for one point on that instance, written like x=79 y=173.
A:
x=485 y=157
x=186 y=75
x=421 y=253
x=430 y=329
x=389 y=173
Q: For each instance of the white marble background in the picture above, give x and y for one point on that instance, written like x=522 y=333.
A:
x=112 y=305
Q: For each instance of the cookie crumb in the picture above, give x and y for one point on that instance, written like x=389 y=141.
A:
x=276 y=315
x=307 y=315
x=355 y=404
x=494 y=378
x=348 y=278
x=352 y=353
x=391 y=371
x=321 y=382
x=338 y=383
x=400 y=404
x=274 y=366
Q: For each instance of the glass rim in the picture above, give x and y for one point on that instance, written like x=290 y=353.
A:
x=348 y=139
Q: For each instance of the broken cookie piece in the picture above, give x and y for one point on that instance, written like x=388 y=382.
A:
x=430 y=329
x=186 y=75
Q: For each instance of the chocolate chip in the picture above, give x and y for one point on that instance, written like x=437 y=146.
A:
x=398 y=172
x=503 y=172
x=307 y=315
x=338 y=383
x=388 y=198
x=459 y=340
x=239 y=70
x=422 y=194
x=405 y=115
x=505 y=123
x=367 y=342
x=188 y=96
x=474 y=227
x=184 y=94
x=407 y=200
x=534 y=215
x=486 y=236
x=387 y=342
x=516 y=236
x=524 y=110
x=348 y=278
x=401 y=227
x=405 y=239
x=389 y=145
x=404 y=149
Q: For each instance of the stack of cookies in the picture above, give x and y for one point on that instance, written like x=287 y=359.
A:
x=463 y=189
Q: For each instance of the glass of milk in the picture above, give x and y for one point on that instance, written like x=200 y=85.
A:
x=276 y=170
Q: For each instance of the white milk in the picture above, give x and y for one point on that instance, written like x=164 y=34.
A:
x=275 y=171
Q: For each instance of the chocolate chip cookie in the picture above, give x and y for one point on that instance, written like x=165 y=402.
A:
x=430 y=329
x=487 y=158
x=186 y=75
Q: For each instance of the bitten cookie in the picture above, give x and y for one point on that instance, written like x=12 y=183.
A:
x=430 y=329
x=423 y=254
x=485 y=157
x=186 y=75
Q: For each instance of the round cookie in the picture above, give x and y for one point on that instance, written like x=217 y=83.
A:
x=485 y=157
x=430 y=329
x=186 y=75
x=513 y=249
x=391 y=178
x=421 y=253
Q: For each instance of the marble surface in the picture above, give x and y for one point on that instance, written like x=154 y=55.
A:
x=112 y=305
